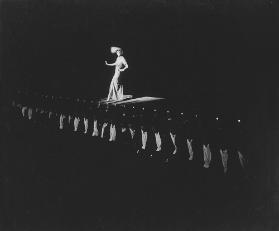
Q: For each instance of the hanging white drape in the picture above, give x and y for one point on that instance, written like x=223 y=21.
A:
x=241 y=158
x=112 y=133
x=85 y=121
x=173 y=137
x=95 y=128
x=190 y=149
x=225 y=157
x=103 y=129
x=206 y=156
x=158 y=141
x=76 y=122
x=143 y=139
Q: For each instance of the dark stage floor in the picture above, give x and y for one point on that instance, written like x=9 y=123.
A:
x=67 y=181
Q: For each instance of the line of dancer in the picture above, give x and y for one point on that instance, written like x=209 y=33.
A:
x=152 y=135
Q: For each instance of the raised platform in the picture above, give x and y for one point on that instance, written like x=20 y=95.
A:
x=128 y=99
x=125 y=97
x=138 y=100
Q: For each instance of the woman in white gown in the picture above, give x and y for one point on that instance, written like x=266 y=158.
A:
x=116 y=89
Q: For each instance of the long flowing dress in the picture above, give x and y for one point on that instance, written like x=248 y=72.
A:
x=116 y=89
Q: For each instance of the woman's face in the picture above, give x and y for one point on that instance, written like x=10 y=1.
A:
x=118 y=53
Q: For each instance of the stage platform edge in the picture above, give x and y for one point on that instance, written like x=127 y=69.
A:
x=128 y=99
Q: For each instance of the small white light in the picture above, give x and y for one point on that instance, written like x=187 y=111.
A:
x=217 y=118
x=238 y=121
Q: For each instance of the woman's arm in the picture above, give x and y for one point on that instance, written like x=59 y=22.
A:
x=110 y=64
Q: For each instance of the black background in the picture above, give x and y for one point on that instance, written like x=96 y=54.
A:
x=222 y=53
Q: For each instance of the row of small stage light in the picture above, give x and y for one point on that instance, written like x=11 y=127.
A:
x=99 y=130
x=81 y=107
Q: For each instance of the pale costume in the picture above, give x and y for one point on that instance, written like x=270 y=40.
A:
x=112 y=133
x=241 y=158
x=95 y=128
x=116 y=89
x=225 y=157
x=61 y=122
x=190 y=149
x=103 y=129
x=30 y=113
x=76 y=122
x=206 y=156
x=173 y=137
x=132 y=132
x=158 y=141
x=123 y=130
x=69 y=119
x=85 y=121
x=143 y=139
x=23 y=110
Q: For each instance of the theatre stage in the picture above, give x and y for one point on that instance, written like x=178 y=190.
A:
x=128 y=100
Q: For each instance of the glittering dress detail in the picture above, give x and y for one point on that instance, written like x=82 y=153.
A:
x=116 y=89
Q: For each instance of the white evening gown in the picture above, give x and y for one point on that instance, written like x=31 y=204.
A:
x=116 y=89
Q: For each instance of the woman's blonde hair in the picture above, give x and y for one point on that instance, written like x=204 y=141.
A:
x=115 y=49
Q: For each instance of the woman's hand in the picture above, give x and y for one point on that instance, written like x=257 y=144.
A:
x=106 y=62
